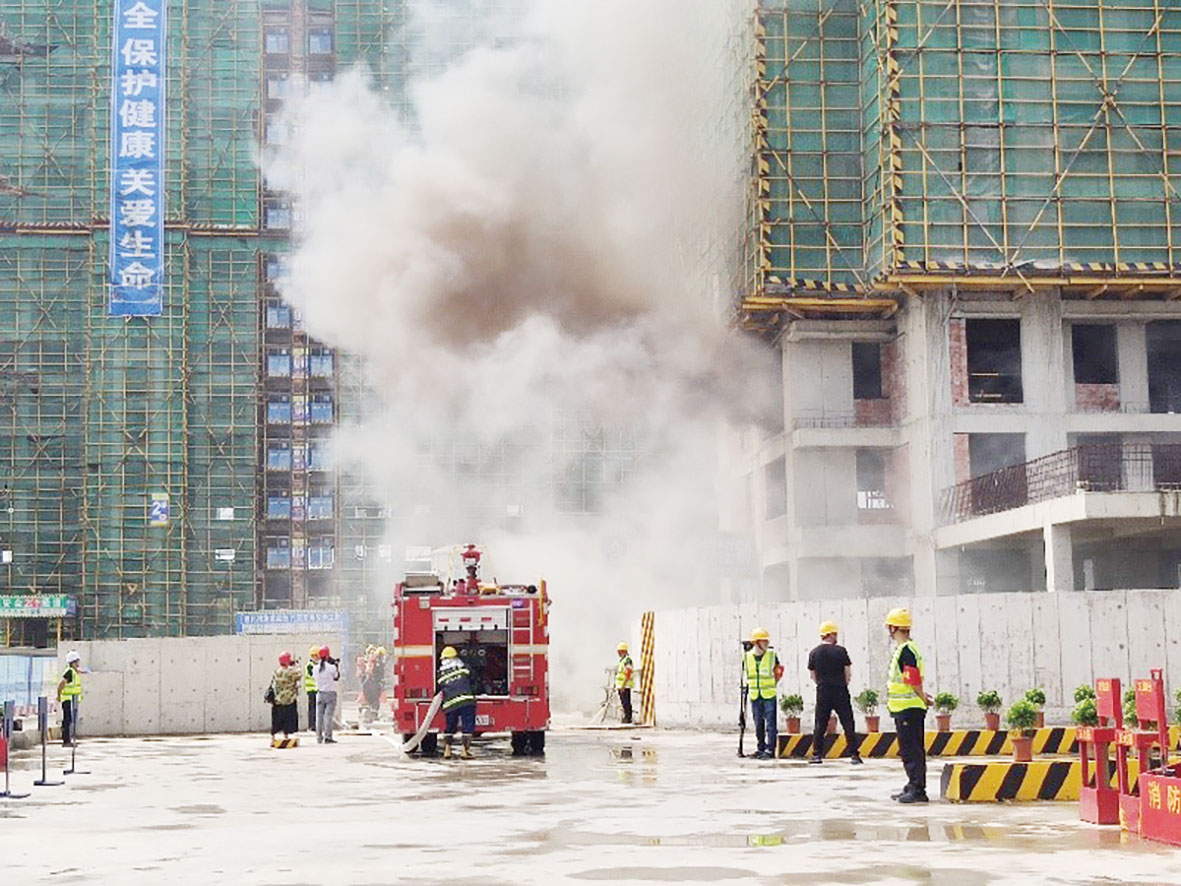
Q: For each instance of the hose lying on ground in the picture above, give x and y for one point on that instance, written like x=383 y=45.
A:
x=416 y=739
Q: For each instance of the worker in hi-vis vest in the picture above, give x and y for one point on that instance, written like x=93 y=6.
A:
x=625 y=681
x=907 y=702
x=69 y=694
x=760 y=675
x=309 y=685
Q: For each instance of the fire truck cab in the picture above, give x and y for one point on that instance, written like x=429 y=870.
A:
x=501 y=633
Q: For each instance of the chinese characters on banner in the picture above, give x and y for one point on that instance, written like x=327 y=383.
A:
x=137 y=159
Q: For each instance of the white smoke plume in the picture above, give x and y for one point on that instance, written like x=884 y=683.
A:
x=545 y=234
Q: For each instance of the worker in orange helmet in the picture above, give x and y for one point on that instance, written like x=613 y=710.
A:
x=907 y=701
x=284 y=691
x=327 y=674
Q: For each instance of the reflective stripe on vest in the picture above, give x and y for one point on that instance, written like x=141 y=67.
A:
x=73 y=689
x=625 y=674
x=901 y=696
x=309 y=679
x=760 y=674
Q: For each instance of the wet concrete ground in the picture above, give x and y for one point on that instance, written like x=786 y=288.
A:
x=659 y=807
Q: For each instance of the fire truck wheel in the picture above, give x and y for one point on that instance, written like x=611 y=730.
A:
x=537 y=743
x=520 y=743
x=430 y=745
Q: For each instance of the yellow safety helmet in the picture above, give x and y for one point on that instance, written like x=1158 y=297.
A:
x=449 y=652
x=898 y=618
x=314 y=652
x=622 y=647
x=759 y=634
x=828 y=627
x=381 y=650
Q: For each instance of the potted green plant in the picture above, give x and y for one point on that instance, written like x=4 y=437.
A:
x=867 y=703
x=945 y=703
x=1083 y=693
x=1177 y=698
x=792 y=706
x=989 y=701
x=1021 y=717
x=1037 y=698
x=1085 y=713
x=1131 y=721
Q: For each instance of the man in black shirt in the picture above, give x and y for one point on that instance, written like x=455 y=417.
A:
x=831 y=669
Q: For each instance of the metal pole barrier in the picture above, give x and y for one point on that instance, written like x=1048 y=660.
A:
x=74 y=770
x=7 y=736
x=43 y=725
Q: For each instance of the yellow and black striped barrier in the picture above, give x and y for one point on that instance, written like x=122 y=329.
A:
x=648 y=669
x=284 y=742
x=997 y=780
x=956 y=743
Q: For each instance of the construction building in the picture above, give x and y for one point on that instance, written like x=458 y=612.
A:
x=167 y=471
x=964 y=242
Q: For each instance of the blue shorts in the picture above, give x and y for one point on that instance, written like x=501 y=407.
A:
x=462 y=717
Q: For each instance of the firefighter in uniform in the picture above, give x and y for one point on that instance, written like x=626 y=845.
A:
x=625 y=681
x=309 y=685
x=761 y=672
x=69 y=694
x=454 y=680
x=907 y=702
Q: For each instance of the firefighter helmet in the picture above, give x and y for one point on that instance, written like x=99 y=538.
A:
x=449 y=652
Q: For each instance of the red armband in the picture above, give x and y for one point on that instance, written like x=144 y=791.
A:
x=778 y=672
x=911 y=676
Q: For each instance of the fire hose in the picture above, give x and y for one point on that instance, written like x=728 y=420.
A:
x=416 y=739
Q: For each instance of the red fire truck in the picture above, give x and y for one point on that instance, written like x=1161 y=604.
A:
x=501 y=633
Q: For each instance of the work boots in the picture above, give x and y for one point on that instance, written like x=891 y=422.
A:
x=447 y=747
x=466 y=753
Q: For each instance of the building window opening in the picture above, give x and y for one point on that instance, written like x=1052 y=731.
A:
x=775 y=481
x=279 y=507
x=321 y=554
x=871 y=481
x=994 y=361
x=279 y=364
x=320 y=41
x=1095 y=361
x=279 y=410
x=279 y=457
x=276 y=41
x=1164 y=366
x=867 y=370
x=319 y=507
x=278 y=317
x=278 y=553
x=322 y=409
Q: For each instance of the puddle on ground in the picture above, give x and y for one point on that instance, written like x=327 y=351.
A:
x=198 y=809
x=666 y=875
x=895 y=873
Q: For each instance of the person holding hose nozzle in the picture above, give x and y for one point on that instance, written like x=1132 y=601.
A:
x=761 y=672
x=907 y=702
x=454 y=680
x=309 y=685
x=327 y=678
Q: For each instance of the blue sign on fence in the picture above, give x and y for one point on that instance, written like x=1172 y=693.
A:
x=292 y=621
x=137 y=158
x=159 y=509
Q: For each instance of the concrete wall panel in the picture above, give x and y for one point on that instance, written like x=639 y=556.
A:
x=1047 y=650
x=183 y=684
x=947 y=649
x=1109 y=633
x=1019 y=616
x=1146 y=633
x=227 y=703
x=101 y=712
x=1172 y=617
x=968 y=630
x=1074 y=639
x=140 y=663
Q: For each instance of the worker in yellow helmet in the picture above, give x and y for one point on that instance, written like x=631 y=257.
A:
x=760 y=673
x=625 y=681
x=309 y=685
x=830 y=668
x=907 y=701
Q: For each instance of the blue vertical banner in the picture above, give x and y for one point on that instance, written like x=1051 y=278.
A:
x=137 y=158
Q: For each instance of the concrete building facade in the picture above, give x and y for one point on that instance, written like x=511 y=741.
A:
x=961 y=247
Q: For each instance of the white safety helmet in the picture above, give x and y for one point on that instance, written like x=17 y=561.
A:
x=72 y=656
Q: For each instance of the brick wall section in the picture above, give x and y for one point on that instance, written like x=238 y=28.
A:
x=963 y=458
x=1096 y=398
x=958 y=361
x=892 y=405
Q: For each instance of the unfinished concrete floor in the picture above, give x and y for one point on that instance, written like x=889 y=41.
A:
x=660 y=807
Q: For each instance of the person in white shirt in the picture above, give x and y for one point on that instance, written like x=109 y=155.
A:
x=327 y=674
